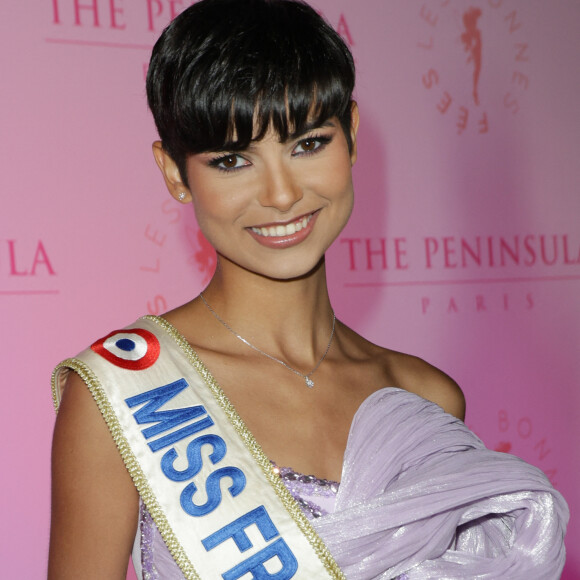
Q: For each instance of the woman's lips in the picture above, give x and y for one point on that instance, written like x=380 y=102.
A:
x=284 y=235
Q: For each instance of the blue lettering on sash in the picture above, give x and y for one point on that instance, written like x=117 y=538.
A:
x=213 y=490
x=235 y=530
x=166 y=420
x=194 y=460
x=149 y=413
x=255 y=564
x=180 y=434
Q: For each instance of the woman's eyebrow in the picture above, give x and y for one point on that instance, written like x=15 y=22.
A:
x=310 y=127
x=236 y=147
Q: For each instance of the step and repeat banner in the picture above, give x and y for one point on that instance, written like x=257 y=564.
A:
x=463 y=248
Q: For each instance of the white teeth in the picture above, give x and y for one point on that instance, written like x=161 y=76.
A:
x=281 y=231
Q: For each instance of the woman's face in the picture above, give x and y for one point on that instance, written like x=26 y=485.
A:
x=275 y=208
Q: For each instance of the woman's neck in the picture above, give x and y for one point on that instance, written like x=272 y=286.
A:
x=286 y=315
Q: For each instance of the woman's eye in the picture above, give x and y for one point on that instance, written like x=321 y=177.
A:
x=229 y=162
x=310 y=144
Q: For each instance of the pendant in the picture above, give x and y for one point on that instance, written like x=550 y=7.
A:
x=309 y=382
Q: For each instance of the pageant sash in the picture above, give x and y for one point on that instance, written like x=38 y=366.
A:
x=220 y=508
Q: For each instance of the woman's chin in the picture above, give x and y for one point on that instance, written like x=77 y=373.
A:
x=280 y=270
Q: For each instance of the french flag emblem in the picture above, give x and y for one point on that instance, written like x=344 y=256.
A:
x=134 y=349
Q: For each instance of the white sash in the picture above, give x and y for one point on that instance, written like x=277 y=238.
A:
x=220 y=508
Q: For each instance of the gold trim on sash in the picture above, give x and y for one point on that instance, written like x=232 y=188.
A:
x=129 y=459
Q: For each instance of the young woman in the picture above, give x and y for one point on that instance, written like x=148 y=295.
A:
x=206 y=419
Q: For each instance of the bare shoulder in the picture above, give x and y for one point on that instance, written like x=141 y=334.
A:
x=421 y=378
x=391 y=368
x=94 y=502
x=418 y=376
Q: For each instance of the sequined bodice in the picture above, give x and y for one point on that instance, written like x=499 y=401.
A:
x=315 y=496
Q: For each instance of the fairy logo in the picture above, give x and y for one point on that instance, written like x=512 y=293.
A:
x=471 y=39
x=203 y=253
x=475 y=61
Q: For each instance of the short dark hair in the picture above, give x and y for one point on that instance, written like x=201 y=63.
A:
x=224 y=71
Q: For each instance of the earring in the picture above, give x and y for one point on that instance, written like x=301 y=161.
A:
x=181 y=195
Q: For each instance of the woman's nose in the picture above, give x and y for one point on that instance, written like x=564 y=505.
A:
x=280 y=188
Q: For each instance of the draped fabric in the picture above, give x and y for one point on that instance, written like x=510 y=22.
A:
x=421 y=497
x=420 y=494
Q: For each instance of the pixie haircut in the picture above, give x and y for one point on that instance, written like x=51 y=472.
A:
x=224 y=71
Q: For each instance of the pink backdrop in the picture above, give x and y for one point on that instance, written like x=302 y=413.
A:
x=464 y=246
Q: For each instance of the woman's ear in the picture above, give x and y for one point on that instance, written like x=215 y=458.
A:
x=171 y=174
x=354 y=121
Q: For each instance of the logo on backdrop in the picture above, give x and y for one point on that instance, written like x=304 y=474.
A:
x=148 y=16
x=476 y=57
x=442 y=265
x=519 y=434
x=162 y=246
x=26 y=268
x=471 y=39
x=204 y=256
x=121 y=25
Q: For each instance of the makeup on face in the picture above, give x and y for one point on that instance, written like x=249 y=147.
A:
x=284 y=234
x=273 y=197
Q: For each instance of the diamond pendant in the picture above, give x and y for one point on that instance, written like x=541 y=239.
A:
x=309 y=382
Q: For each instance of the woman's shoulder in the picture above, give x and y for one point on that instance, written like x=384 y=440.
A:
x=421 y=378
x=415 y=375
x=91 y=489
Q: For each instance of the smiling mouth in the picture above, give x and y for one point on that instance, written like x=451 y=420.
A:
x=282 y=231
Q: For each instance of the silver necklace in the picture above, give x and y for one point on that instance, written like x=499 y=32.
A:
x=309 y=382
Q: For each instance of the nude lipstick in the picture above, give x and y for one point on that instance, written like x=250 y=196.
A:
x=284 y=235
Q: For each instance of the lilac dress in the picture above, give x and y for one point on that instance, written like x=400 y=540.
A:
x=420 y=497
